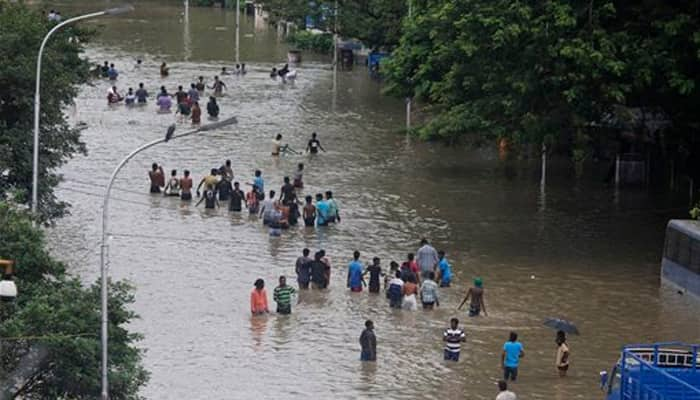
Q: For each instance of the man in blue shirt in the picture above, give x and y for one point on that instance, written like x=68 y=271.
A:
x=258 y=181
x=355 y=273
x=510 y=359
x=445 y=270
x=321 y=210
x=141 y=94
x=112 y=73
x=259 y=185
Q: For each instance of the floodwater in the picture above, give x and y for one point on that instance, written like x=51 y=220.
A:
x=573 y=249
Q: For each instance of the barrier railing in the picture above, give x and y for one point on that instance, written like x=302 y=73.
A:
x=644 y=375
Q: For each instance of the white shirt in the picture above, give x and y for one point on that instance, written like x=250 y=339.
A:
x=506 y=395
x=396 y=281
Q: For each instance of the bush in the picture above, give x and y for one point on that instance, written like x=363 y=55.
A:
x=317 y=42
x=54 y=325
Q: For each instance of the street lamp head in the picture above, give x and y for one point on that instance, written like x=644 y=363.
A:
x=119 y=10
x=169 y=134
x=8 y=289
x=220 y=124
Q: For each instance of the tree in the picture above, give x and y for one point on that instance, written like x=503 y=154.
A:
x=537 y=70
x=499 y=68
x=21 y=32
x=376 y=23
x=55 y=323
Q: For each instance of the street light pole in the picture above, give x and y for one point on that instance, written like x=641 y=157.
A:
x=37 y=93
x=238 y=31
x=103 y=248
x=408 y=99
x=335 y=48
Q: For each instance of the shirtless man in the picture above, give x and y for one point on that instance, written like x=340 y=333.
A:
x=227 y=171
x=287 y=193
x=218 y=86
x=477 y=299
x=277 y=145
x=309 y=212
x=186 y=187
x=180 y=95
x=200 y=86
x=157 y=178
x=164 y=70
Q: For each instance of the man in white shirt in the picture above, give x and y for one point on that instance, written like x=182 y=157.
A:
x=504 y=393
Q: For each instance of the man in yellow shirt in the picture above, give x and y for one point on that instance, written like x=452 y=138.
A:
x=210 y=181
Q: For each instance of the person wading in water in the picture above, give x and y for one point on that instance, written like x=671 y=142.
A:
x=157 y=178
x=186 y=187
x=477 y=303
x=173 y=186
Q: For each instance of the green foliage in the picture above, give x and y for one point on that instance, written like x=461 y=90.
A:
x=305 y=40
x=528 y=69
x=21 y=32
x=695 y=211
x=203 y=3
x=377 y=23
x=55 y=313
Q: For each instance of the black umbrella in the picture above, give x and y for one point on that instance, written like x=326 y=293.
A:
x=561 y=325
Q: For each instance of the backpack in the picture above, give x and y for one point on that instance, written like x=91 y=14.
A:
x=405 y=272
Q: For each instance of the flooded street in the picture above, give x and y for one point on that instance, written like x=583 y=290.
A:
x=575 y=250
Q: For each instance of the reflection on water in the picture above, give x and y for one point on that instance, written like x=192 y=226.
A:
x=574 y=250
x=258 y=329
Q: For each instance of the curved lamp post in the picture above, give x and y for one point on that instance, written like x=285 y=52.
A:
x=103 y=248
x=37 y=93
